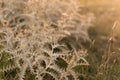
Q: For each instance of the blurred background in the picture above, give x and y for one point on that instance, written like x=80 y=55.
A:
x=107 y=12
x=106 y=26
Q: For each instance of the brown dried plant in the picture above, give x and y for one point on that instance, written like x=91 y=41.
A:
x=31 y=32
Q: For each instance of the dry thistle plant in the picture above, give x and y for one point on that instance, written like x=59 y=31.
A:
x=31 y=32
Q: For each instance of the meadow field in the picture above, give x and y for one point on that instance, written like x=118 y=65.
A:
x=59 y=40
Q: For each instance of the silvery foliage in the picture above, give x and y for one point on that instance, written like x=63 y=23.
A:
x=30 y=31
